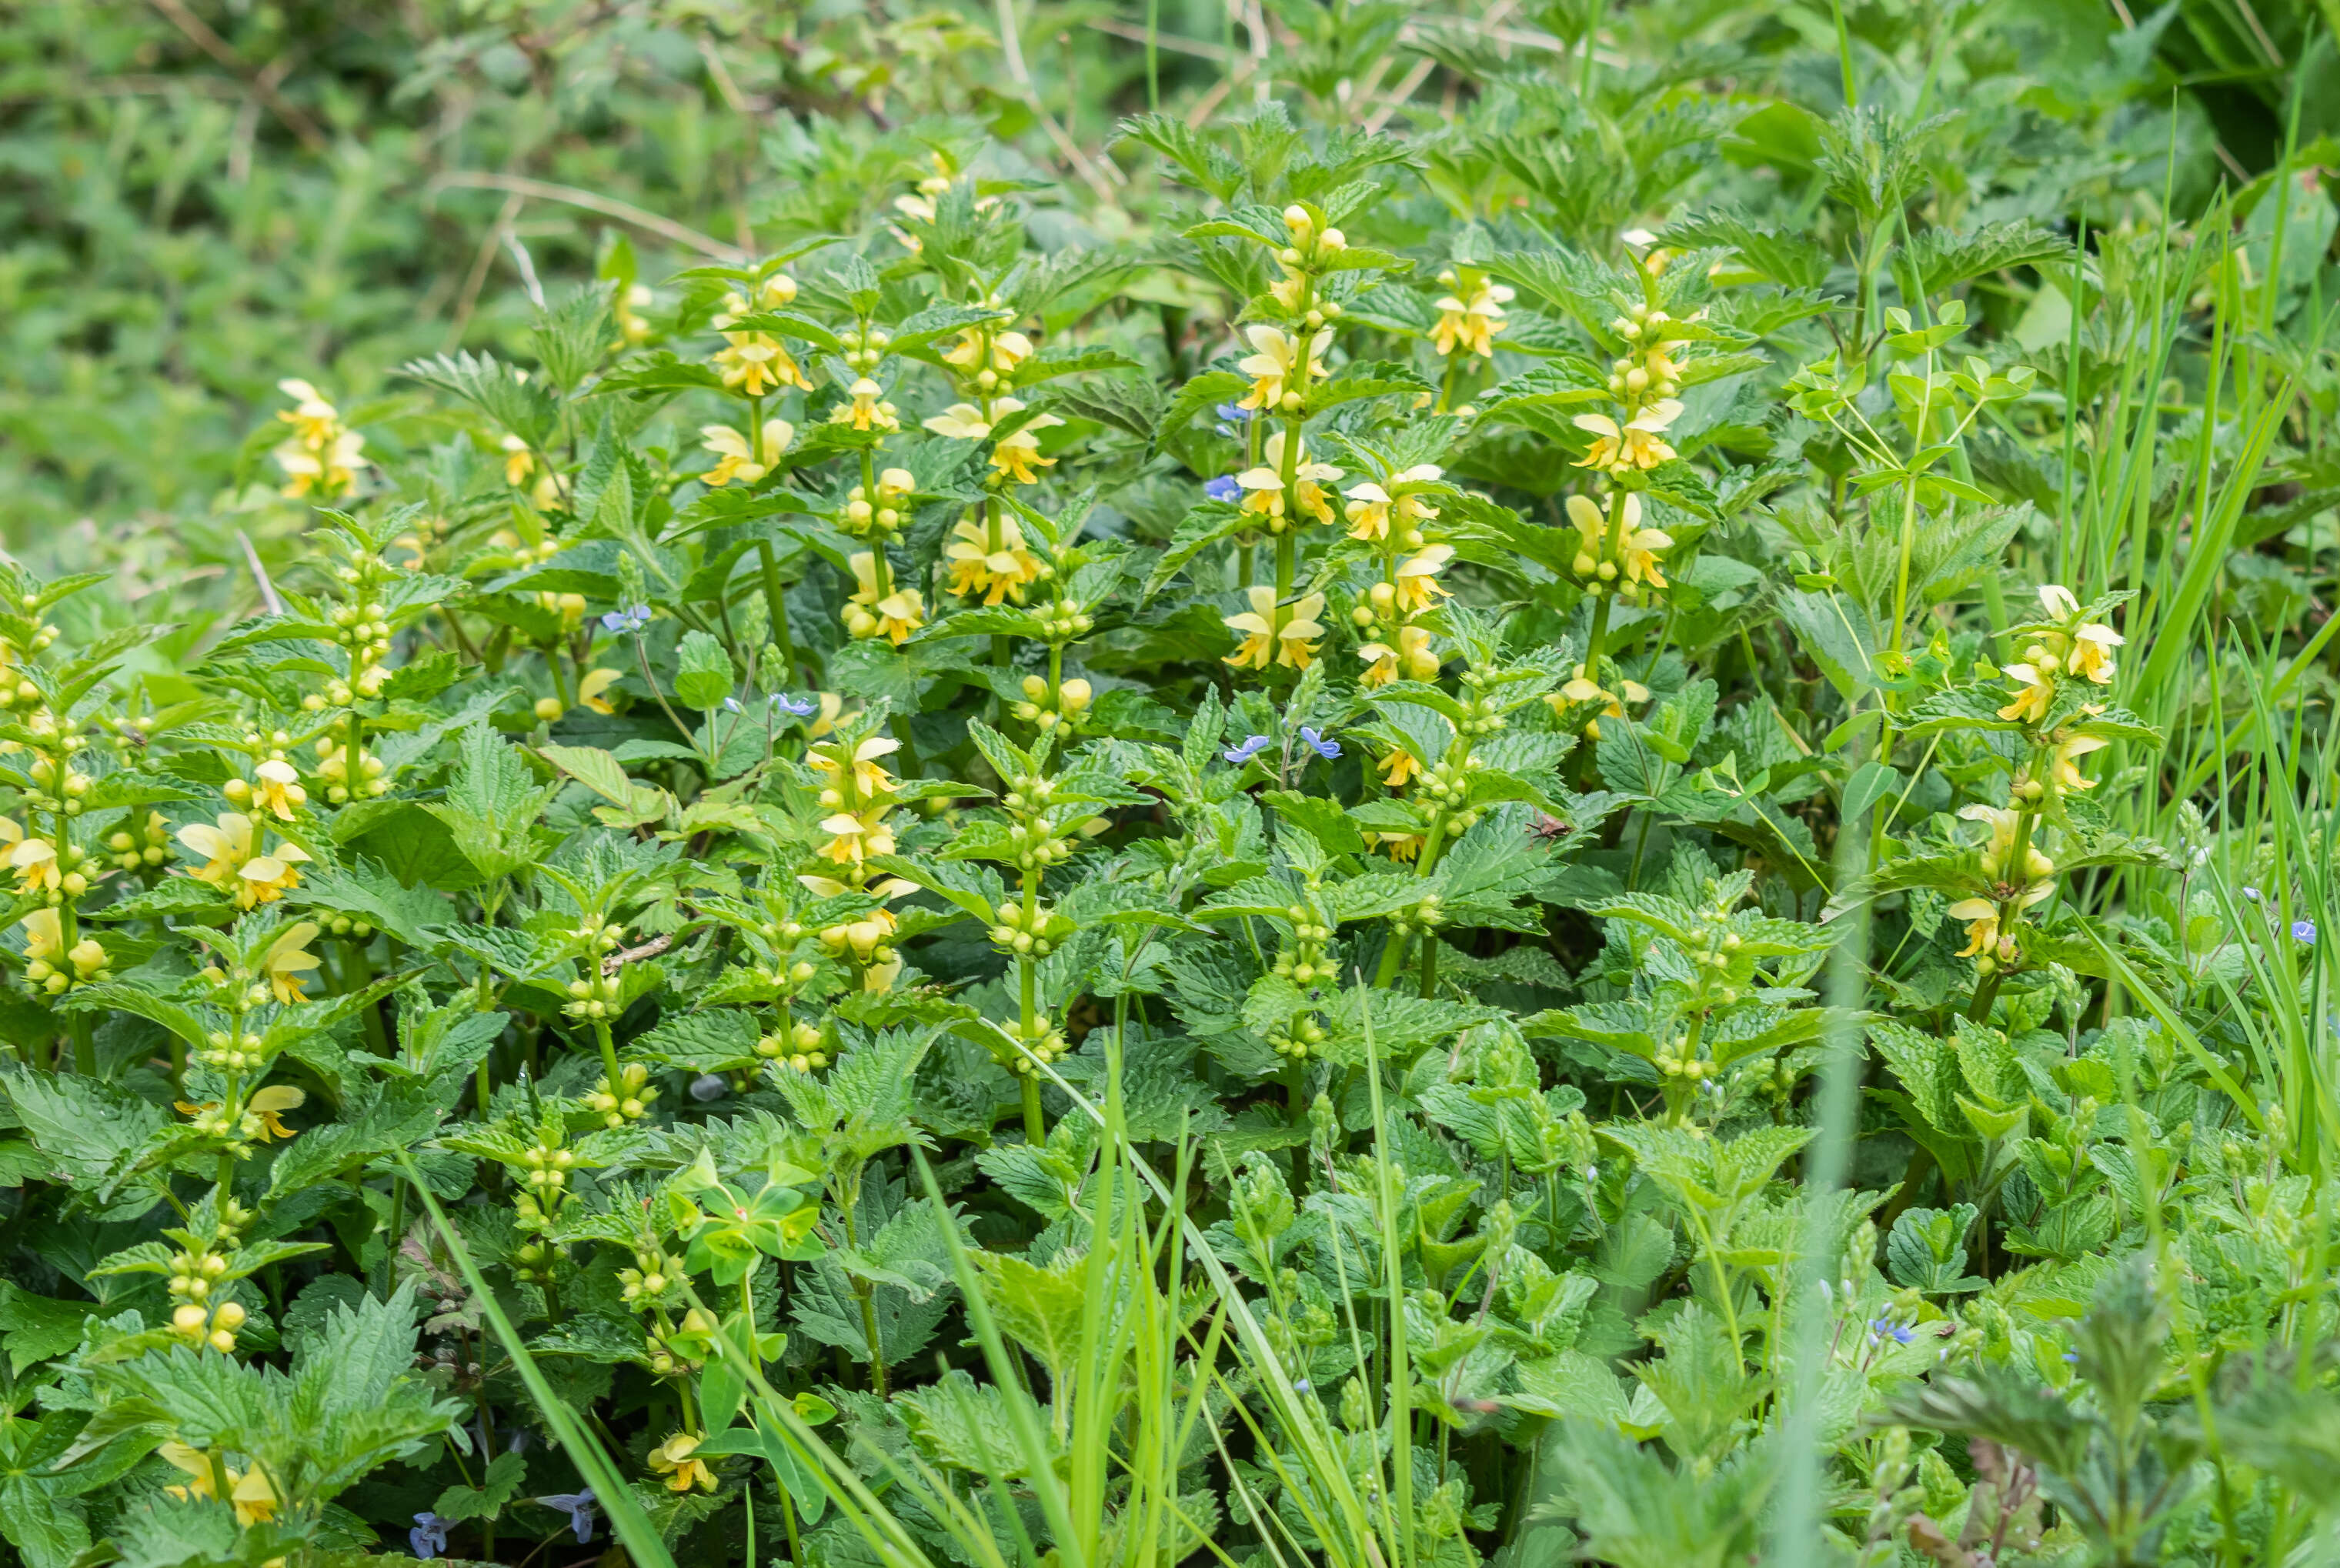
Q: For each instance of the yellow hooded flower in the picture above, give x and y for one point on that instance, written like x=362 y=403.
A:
x=736 y=461
x=2037 y=694
x=1638 y=444
x=865 y=408
x=1412 y=658
x=1470 y=323
x=276 y=787
x=1279 y=362
x=289 y=960
x=825 y=721
x=328 y=473
x=868 y=777
x=997 y=574
x=267 y=1107
x=1372 y=508
x=592 y=686
x=2065 y=767
x=232 y=860
x=677 y=1459
x=33 y=860
x=853 y=838
x=1400 y=768
x=44 y=937
x=1008 y=350
x=893 y=617
x=756 y=363
x=964 y=422
x=316 y=422
x=1637 y=547
x=1417 y=578
x=254 y=1499
x=1017 y=453
x=519 y=461
x=1268 y=639
x=1983 y=938
x=2087 y=653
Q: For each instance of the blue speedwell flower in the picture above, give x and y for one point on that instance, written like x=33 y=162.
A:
x=1233 y=417
x=2304 y=930
x=1252 y=747
x=780 y=702
x=1322 y=745
x=429 y=1536
x=1223 y=488
x=578 y=1507
x=1883 y=1328
x=629 y=620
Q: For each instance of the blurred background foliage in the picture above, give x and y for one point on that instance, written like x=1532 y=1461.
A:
x=198 y=197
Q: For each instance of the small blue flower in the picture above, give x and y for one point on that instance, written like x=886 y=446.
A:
x=2251 y=893
x=1252 y=747
x=629 y=620
x=429 y=1536
x=1231 y=414
x=732 y=705
x=708 y=1086
x=799 y=706
x=1884 y=1327
x=1322 y=745
x=578 y=1507
x=2072 y=1358
x=1299 y=1385
x=1223 y=488
x=2304 y=930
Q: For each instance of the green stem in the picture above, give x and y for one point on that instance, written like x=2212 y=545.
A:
x=776 y=601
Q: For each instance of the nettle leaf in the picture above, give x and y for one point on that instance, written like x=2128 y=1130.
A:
x=526 y=408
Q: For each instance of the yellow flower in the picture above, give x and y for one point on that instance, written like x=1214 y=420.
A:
x=868 y=778
x=316 y=422
x=277 y=788
x=756 y=363
x=2065 y=767
x=1401 y=846
x=853 y=838
x=329 y=472
x=2031 y=703
x=518 y=461
x=866 y=408
x=1641 y=546
x=1417 y=579
x=33 y=860
x=1413 y=658
x=825 y=721
x=1469 y=324
x=736 y=461
x=44 y=937
x=1984 y=939
x=254 y=1499
x=1640 y=444
x=87 y=956
x=268 y=1107
x=1017 y=453
x=1372 y=508
x=676 y=1460
x=893 y=617
x=977 y=567
x=1287 y=633
x=1008 y=350
x=1580 y=688
x=1368 y=512
x=1263 y=490
x=2091 y=642
x=592 y=685
x=1280 y=360
x=964 y=422
x=1400 y=768
x=232 y=860
x=289 y=960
